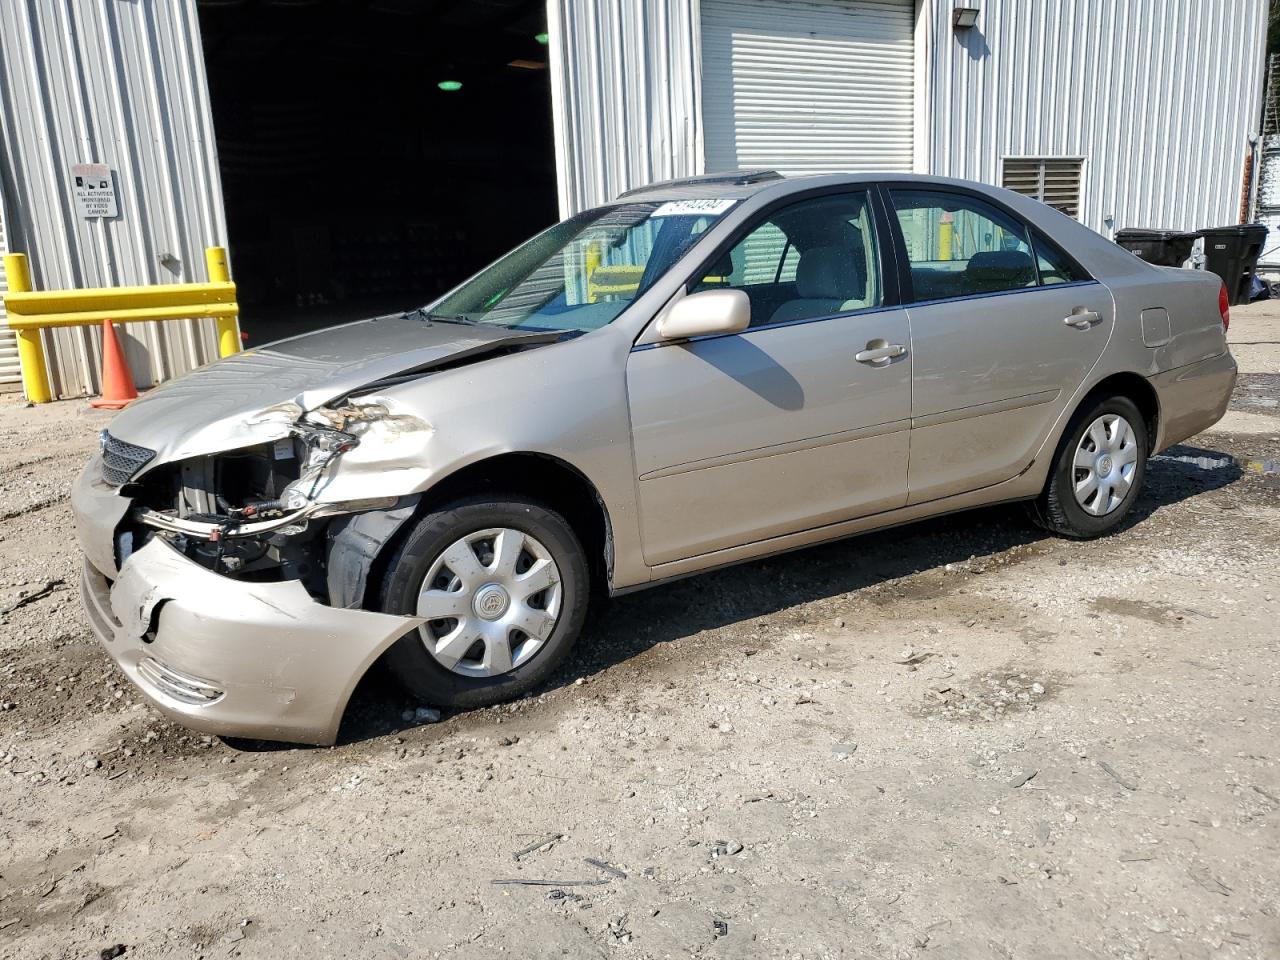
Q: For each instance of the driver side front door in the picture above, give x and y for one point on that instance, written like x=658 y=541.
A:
x=799 y=421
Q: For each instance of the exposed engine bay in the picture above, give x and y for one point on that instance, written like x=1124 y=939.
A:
x=252 y=513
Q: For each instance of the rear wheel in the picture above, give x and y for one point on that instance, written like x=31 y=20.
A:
x=504 y=589
x=1097 y=472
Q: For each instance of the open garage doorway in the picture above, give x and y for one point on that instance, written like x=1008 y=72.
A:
x=374 y=152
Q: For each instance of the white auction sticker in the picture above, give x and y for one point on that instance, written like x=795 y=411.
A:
x=706 y=207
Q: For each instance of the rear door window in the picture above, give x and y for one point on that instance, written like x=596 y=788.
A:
x=1054 y=265
x=959 y=246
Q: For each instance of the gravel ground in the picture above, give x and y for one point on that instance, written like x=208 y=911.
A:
x=958 y=739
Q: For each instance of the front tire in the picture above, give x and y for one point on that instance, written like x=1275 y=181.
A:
x=505 y=588
x=1097 y=472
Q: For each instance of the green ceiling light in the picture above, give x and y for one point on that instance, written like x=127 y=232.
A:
x=542 y=38
x=449 y=86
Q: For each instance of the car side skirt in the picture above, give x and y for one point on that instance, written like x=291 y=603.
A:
x=1025 y=486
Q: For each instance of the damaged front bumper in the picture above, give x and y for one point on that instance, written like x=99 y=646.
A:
x=220 y=655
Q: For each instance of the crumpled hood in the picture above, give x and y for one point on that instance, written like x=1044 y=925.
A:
x=253 y=397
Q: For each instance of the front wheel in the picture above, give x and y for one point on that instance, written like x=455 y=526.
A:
x=1097 y=472
x=504 y=588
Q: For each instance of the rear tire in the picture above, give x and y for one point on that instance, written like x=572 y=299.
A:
x=494 y=636
x=1097 y=471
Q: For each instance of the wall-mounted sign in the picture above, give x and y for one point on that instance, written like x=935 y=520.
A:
x=95 y=188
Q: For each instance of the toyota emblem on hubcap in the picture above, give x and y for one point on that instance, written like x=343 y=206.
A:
x=491 y=602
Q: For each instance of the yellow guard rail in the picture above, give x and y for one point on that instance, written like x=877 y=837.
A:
x=31 y=311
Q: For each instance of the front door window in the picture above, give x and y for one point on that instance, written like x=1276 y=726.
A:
x=815 y=258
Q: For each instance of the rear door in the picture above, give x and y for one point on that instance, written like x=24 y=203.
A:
x=782 y=427
x=1004 y=328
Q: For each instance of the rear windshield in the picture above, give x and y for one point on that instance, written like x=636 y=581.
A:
x=582 y=273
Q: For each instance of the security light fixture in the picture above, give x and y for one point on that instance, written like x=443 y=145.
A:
x=450 y=86
x=962 y=18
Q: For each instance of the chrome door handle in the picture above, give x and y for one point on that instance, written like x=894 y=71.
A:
x=1082 y=319
x=880 y=354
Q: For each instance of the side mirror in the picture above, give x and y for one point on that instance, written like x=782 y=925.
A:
x=706 y=313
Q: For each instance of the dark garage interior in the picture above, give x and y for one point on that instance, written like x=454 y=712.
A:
x=374 y=152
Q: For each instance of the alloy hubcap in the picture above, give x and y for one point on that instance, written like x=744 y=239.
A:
x=1104 y=464
x=491 y=600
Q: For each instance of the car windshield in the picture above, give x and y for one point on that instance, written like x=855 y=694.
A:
x=580 y=274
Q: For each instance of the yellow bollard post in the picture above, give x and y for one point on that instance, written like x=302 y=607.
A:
x=35 y=377
x=594 y=257
x=946 y=228
x=228 y=329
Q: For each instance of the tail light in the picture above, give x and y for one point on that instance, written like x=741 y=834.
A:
x=1223 y=307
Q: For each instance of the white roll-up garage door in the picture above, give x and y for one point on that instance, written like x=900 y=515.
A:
x=808 y=86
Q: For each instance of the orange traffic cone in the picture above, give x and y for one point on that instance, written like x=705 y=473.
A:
x=117 y=383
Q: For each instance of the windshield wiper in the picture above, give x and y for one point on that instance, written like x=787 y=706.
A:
x=422 y=313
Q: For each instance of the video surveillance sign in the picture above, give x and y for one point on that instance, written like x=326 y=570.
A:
x=94 y=186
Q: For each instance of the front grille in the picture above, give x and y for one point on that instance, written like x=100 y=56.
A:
x=120 y=460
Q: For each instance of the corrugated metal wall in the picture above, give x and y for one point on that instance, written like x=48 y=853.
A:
x=120 y=82
x=626 y=95
x=1158 y=96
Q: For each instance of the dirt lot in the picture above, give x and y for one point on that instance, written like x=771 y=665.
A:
x=961 y=739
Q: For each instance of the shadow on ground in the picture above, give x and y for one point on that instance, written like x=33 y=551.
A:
x=627 y=626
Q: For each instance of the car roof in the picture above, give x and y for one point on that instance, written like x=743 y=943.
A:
x=1096 y=252
x=739 y=184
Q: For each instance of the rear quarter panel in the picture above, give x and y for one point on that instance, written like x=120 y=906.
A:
x=1189 y=297
x=1188 y=366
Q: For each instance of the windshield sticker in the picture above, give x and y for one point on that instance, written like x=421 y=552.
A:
x=707 y=207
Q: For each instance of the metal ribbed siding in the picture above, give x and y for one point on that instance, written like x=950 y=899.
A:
x=120 y=82
x=1158 y=96
x=625 y=95
x=818 y=86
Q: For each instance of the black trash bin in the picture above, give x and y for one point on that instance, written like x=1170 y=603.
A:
x=1164 y=248
x=1232 y=253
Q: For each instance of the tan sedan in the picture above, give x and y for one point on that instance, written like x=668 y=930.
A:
x=701 y=373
